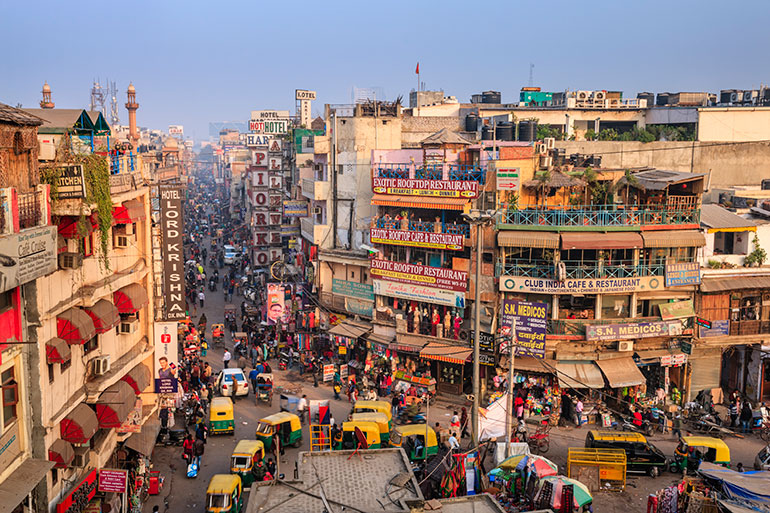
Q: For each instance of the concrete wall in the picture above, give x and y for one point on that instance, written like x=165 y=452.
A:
x=415 y=129
x=729 y=165
x=734 y=124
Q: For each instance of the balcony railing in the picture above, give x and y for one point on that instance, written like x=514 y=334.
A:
x=30 y=209
x=461 y=172
x=577 y=327
x=423 y=226
x=598 y=215
x=578 y=270
x=121 y=164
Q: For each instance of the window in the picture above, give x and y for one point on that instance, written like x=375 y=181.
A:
x=6 y=301
x=65 y=365
x=54 y=476
x=50 y=373
x=91 y=344
x=87 y=245
x=10 y=396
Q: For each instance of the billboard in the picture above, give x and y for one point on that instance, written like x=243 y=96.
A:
x=166 y=357
x=417 y=239
x=402 y=272
x=531 y=323
x=26 y=256
x=419 y=293
x=171 y=226
x=275 y=303
x=176 y=130
x=414 y=187
x=295 y=208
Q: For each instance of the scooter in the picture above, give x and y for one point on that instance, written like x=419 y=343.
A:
x=405 y=418
x=192 y=469
x=170 y=437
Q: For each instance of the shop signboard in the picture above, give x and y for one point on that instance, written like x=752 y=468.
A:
x=274 y=163
x=113 y=480
x=77 y=500
x=352 y=289
x=508 y=179
x=26 y=256
x=583 y=286
x=295 y=208
x=673 y=360
x=257 y=140
x=417 y=239
x=359 y=307
x=166 y=357
x=703 y=323
x=419 y=293
x=676 y=310
x=176 y=130
x=171 y=227
x=486 y=342
x=686 y=347
x=487 y=359
x=275 y=145
x=403 y=272
x=269 y=126
x=434 y=188
x=682 y=273
x=276 y=182
x=328 y=372
x=531 y=323
x=70 y=182
x=718 y=329
x=634 y=330
x=289 y=230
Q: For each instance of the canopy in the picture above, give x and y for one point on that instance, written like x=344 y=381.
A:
x=526 y=239
x=139 y=378
x=131 y=212
x=68 y=226
x=753 y=486
x=578 y=375
x=446 y=353
x=104 y=314
x=79 y=425
x=20 y=483
x=408 y=343
x=57 y=351
x=143 y=442
x=674 y=239
x=75 y=326
x=114 y=405
x=615 y=240
x=385 y=200
x=350 y=329
x=580 y=493
x=62 y=453
x=621 y=372
x=538 y=465
x=130 y=299
x=734 y=283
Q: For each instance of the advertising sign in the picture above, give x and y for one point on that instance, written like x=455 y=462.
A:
x=257 y=140
x=413 y=187
x=289 y=230
x=259 y=158
x=486 y=343
x=275 y=305
x=676 y=310
x=171 y=227
x=274 y=145
x=633 y=330
x=402 y=272
x=133 y=424
x=487 y=359
x=508 y=179
x=419 y=293
x=417 y=239
x=27 y=256
x=359 y=307
x=598 y=286
x=682 y=273
x=113 y=480
x=80 y=496
x=352 y=289
x=718 y=329
x=303 y=94
x=673 y=360
x=166 y=357
x=70 y=182
x=328 y=372
x=269 y=125
x=274 y=163
x=175 y=130
x=531 y=322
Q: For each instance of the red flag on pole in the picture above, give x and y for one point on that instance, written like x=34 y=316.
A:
x=417 y=71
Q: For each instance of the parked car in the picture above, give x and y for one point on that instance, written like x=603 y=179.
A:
x=230 y=254
x=641 y=456
x=762 y=459
x=232 y=382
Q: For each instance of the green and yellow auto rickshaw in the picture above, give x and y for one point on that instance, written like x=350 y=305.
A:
x=363 y=406
x=221 y=418
x=378 y=418
x=285 y=424
x=224 y=494
x=418 y=441
x=692 y=450
x=370 y=430
x=246 y=457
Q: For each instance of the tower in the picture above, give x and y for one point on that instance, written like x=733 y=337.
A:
x=46 y=102
x=131 y=106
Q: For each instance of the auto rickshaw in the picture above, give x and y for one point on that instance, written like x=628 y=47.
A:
x=246 y=455
x=264 y=391
x=692 y=450
x=224 y=494
x=378 y=418
x=218 y=334
x=240 y=336
x=287 y=426
x=370 y=430
x=418 y=441
x=221 y=418
x=373 y=407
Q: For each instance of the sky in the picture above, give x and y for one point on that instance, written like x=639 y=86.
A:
x=196 y=61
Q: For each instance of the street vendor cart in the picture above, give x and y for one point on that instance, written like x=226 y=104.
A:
x=218 y=334
x=264 y=391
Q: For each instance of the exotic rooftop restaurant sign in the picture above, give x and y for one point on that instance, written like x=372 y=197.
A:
x=417 y=239
x=402 y=272
x=416 y=187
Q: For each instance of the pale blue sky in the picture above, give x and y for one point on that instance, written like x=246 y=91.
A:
x=193 y=62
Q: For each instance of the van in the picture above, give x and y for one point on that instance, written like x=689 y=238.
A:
x=641 y=456
x=230 y=254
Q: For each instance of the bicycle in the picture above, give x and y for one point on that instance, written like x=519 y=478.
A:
x=540 y=441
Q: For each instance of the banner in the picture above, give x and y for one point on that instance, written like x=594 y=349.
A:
x=401 y=272
x=359 y=307
x=416 y=187
x=676 y=310
x=633 y=330
x=417 y=239
x=295 y=208
x=419 y=293
x=531 y=323
x=682 y=273
x=26 y=256
x=80 y=495
x=133 y=424
x=171 y=226
x=166 y=357
x=352 y=289
x=275 y=303
x=597 y=286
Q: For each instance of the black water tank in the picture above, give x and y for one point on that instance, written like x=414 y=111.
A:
x=650 y=97
x=486 y=133
x=471 y=122
x=504 y=131
x=527 y=131
x=662 y=99
x=491 y=97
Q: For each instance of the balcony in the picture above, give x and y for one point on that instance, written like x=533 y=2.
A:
x=577 y=270
x=315 y=233
x=591 y=217
x=447 y=172
x=30 y=209
x=315 y=189
x=422 y=226
x=120 y=164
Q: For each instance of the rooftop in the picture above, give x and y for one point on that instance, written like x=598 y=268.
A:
x=659 y=179
x=16 y=116
x=715 y=217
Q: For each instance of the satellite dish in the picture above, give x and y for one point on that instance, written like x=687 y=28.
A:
x=362 y=443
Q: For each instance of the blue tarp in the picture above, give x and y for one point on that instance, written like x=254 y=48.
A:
x=753 y=486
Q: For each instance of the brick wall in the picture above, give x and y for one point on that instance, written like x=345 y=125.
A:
x=18 y=157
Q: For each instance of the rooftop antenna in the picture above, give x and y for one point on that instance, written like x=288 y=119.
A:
x=531 y=74
x=97 y=97
x=114 y=117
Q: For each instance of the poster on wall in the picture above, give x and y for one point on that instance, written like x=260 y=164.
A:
x=275 y=303
x=531 y=323
x=166 y=357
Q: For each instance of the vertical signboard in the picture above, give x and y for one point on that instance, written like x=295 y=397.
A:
x=171 y=227
x=166 y=357
x=275 y=303
x=531 y=322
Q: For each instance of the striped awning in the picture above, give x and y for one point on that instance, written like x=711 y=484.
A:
x=674 y=239
x=104 y=314
x=57 y=351
x=130 y=299
x=446 y=353
x=61 y=453
x=79 y=425
x=139 y=378
x=385 y=200
x=114 y=405
x=75 y=326
x=522 y=239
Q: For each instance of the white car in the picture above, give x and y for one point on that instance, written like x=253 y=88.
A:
x=230 y=254
x=232 y=382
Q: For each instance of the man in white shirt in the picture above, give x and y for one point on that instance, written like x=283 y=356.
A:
x=453 y=443
x=201 y=297
x=226 y=358
x=302 y=407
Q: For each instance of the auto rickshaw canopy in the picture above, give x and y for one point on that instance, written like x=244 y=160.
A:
x=722 y=451
x=370 y=430
x=223 y=484
x=416 y=430
x=363 y=406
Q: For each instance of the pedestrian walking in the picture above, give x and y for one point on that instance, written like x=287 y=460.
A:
x=302 y=408
x=201 y=297
x=579 y=412
x=746 y=417
x=199 y=446
x=734 y=410
x=187 y=449
x=394 y=402
x=226 y=358
x=464 y=422
x=676 y=425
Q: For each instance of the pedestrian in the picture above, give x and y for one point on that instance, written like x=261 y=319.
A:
x=201 y=297
x=226 y=358
x=337 y=389
x=518 y=404
x=302 y=407
x=734 y=410
x=202 y=432
x=676 y=425
x=271 y=466
x=746 y=417
x=187 y=449
x=454 y=424
x=464 y=422
x=199 y=447
x=579 y=411
x=740 y=467
x=453 y=443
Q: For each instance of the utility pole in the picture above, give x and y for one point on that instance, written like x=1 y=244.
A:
x=334 y=181
x=509 y=401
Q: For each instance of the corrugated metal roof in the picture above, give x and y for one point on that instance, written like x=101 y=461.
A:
x=60 y=118
x=660 y=179
x=16 y=116
x=714 y=216
x=445 y=136
x=734 y=283
x=523 y=239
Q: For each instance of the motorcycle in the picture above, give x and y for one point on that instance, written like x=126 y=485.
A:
x=212 y=285
x=627 y=424
x=171 y=437
x=405 y=418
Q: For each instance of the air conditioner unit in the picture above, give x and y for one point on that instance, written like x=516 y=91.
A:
x=736 y=96
x=600 y=95
x=546 y=161
x=101 y=365
x=82 y=457
x=123 y=241
x=749 y=96
x=626 y=345
x=550 y=143
x=583 y=96
x=317 y=211
x=542 y=149
x=129 y=325
x=70 y=260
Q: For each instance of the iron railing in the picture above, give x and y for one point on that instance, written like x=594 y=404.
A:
x=423 y=226
x=454 y=172
x=578 y=269
x=30 y=209
x=598 y=215
x=121 y=164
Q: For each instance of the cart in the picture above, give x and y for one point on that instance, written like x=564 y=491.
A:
x=242 y=337
x=264 y=391
x=289 y=403
x=218 y=334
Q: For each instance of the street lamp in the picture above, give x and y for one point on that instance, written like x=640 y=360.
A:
x=477 y=218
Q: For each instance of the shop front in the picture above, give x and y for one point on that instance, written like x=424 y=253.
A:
x=349 y=345
x=663 y=369
x=448 y=364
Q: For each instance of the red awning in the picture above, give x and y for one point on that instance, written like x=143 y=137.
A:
x=75 y=326
x=69 y=229
x=79 y=425
x=114 y=405
x=120 y=215
x=130 y=212
x=130 y=299
x=57 y=351
x=139 y=378
x=104 y=314
x=62 y=453
x=446 y=353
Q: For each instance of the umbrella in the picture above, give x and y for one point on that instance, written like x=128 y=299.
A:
x=543 y=468
x=580 y=492
x=535 y=463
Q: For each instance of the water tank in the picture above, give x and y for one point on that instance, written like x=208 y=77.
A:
x=491 y=97
x=471 y=122
x=662 y=99
x=486 y=133
x=528 y=131
x=650 y=97
x=504 y=131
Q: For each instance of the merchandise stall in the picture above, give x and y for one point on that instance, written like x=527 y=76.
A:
x=448 y=364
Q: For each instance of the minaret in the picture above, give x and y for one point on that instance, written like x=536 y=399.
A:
x=46 y=102
x=131 y=106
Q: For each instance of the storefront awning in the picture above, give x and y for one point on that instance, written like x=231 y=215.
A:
x=384 y=200
x=79 y=425
x=734 y=283
x=143 y=442
x=408 y=343
x=621 y=372
x=17 y=486
x=104 y=314
x=70 y=227
x=61 y=453
x=446 y=353
x=75 y=326
x=674 y=239
x=542 y=240
x=57 y=351
x=588 y=240
x=350 y=329
x=139 y=378
x=130 y=299
x=114 y=405
x=578 y=375
x=380 y=339
x=130 y=212
x=529 y=364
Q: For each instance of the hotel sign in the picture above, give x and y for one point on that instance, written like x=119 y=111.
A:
x=171 y=226
x=414 y=187
x=417 y=239
x=598 y=286
x=633 y=330
x=401 y=272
